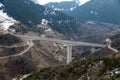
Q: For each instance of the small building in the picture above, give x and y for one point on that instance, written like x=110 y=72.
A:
x=44 y=22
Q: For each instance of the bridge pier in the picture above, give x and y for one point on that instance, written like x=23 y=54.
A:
x=69 y=53
x=93 y=50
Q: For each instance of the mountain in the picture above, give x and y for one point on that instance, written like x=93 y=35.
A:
x=65 y=6
x=99 y=10
x=19 y=57
x=32 y=14
x=105 y=68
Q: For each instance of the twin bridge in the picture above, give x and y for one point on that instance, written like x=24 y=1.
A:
x=69 y=44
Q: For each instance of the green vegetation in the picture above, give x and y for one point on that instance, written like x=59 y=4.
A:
x=31 y=14
x=7 y=39
x=109 y=64
x=75 y=70
x=65 y=72
x=24 y=29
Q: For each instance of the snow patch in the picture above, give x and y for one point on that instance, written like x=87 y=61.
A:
x=5 y=20
x=73 y=8
x=52 y=6
x=91 y=22
x=91 y=11
x=94 y=12
x=49 y=12
x=83 y=2
x=57 y=9
x=6 y=24
x=1 y=5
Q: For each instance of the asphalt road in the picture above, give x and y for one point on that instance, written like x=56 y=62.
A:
x=74 y=43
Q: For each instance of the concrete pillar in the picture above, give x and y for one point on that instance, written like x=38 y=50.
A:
x=93 y=50
x=69 y=53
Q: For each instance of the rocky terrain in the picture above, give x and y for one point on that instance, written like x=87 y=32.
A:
x=93 y=69
x=41 y=54
x=47 y=60
x=105 y=68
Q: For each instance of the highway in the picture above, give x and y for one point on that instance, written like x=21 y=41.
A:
x=73 y=43
x=69 y=44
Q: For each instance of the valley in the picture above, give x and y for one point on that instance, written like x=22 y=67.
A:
x=37 y=40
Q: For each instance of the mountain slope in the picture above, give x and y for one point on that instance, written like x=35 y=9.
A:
x=42 y=54
x=31 y=14
x=99 y=10
x=93 y=69
x=106 y=68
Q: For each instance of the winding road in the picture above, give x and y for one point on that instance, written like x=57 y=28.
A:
x=29 y=43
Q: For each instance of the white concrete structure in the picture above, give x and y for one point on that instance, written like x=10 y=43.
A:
x=69 y=44
x=109 y=42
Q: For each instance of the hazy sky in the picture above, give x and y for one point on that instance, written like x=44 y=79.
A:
x=47 y=1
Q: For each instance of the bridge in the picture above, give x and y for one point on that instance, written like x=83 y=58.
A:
x=69 y=44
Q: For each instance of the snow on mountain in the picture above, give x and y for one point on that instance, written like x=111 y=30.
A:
x=5 y=20
x=81 y=2
x=31 y=14
x=66 y=6
x=1 y=5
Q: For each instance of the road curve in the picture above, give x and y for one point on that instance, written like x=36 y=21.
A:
x=29 y=43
